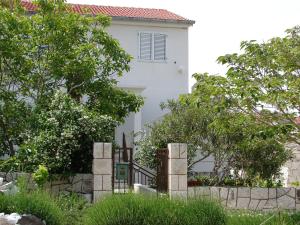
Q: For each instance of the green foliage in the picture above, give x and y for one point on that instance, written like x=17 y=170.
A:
x=265 y=76
x=64 y=136
x=249 y=143
x=50 y=51
x=40 y=176
x=11 y=164
x=183 y=124
x=235 y=182
x=235 y=140
x=14 y=67
x=206 y=180
x=22 y=185
x=39 y=204
x=295 y=184
x=73 y=207
x=251 y=218
x=140 y=210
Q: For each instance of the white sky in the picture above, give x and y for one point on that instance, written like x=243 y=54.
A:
x=222 y=24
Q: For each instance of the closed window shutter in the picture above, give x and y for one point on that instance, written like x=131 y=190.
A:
x=159 y=47
x=145 y=46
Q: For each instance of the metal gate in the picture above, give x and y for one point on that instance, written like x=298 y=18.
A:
x=122 y=180
x=127 y=172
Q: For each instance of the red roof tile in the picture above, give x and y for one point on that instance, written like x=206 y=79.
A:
x=120 y=12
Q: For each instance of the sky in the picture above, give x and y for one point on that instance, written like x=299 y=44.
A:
x=222 y=24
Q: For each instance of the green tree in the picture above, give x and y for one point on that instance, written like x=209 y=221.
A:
x=15 y=67
x=50 y=51
x=265 y=77
x=246 y=142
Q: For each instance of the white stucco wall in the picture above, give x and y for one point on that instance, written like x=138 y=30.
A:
x=155 y=81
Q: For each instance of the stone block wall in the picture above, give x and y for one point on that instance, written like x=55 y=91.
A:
x=177 y=171
x=255 y=199
x=79 y=183
x=102 y=170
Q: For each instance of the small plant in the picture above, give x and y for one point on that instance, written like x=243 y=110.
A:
x=22 y=184
x=295 y=184
x=40 y=176
x=206 y=180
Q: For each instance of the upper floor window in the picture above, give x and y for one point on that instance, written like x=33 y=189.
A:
x=152 y=46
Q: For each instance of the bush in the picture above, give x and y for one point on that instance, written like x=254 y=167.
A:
x=140 y=210
x=232 y=181
x=64 y=135
x=38 y=203
x=40 y=176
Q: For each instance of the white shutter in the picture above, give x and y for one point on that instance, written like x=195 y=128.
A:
x=145 y=46
x=159 y=47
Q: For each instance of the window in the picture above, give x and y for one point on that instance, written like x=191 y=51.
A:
x=152 y=46
x=146 y=46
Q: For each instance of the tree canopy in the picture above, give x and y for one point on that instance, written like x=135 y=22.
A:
x=264 y=80
x=54 y=51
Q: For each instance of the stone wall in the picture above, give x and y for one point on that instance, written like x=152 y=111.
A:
x=79 y=183
x=256 y=199
x=102 y=170
x=177 y=170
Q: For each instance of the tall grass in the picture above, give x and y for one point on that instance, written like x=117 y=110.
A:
x=257 y=218
x=38 y=203
x=141 y=210
x=72 y=207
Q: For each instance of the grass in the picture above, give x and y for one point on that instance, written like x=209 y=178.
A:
x=37 y=203
x=134 y=210
x=251 y=218
x=72 y=207
x=139 y=210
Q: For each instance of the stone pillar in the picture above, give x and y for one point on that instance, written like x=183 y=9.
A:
x=177 y=178
x=102 y=170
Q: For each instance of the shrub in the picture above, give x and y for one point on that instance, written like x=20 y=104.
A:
x=11 y=164
x=64 y=136
x=234 y=182
x=38 y=203
x=140 y=210
x=41 y=176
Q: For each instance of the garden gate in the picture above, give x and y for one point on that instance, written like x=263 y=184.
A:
x=126 y=172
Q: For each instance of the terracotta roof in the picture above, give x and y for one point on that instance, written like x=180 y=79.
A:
x=129 y=13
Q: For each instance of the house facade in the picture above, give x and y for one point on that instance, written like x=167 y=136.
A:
x=159 y=69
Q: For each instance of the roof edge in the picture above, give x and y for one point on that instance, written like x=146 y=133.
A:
x=139 y=19
x=154 y=20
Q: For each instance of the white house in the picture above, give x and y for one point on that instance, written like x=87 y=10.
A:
x=158 y=41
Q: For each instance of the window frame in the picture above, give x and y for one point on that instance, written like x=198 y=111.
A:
x=152 y=47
